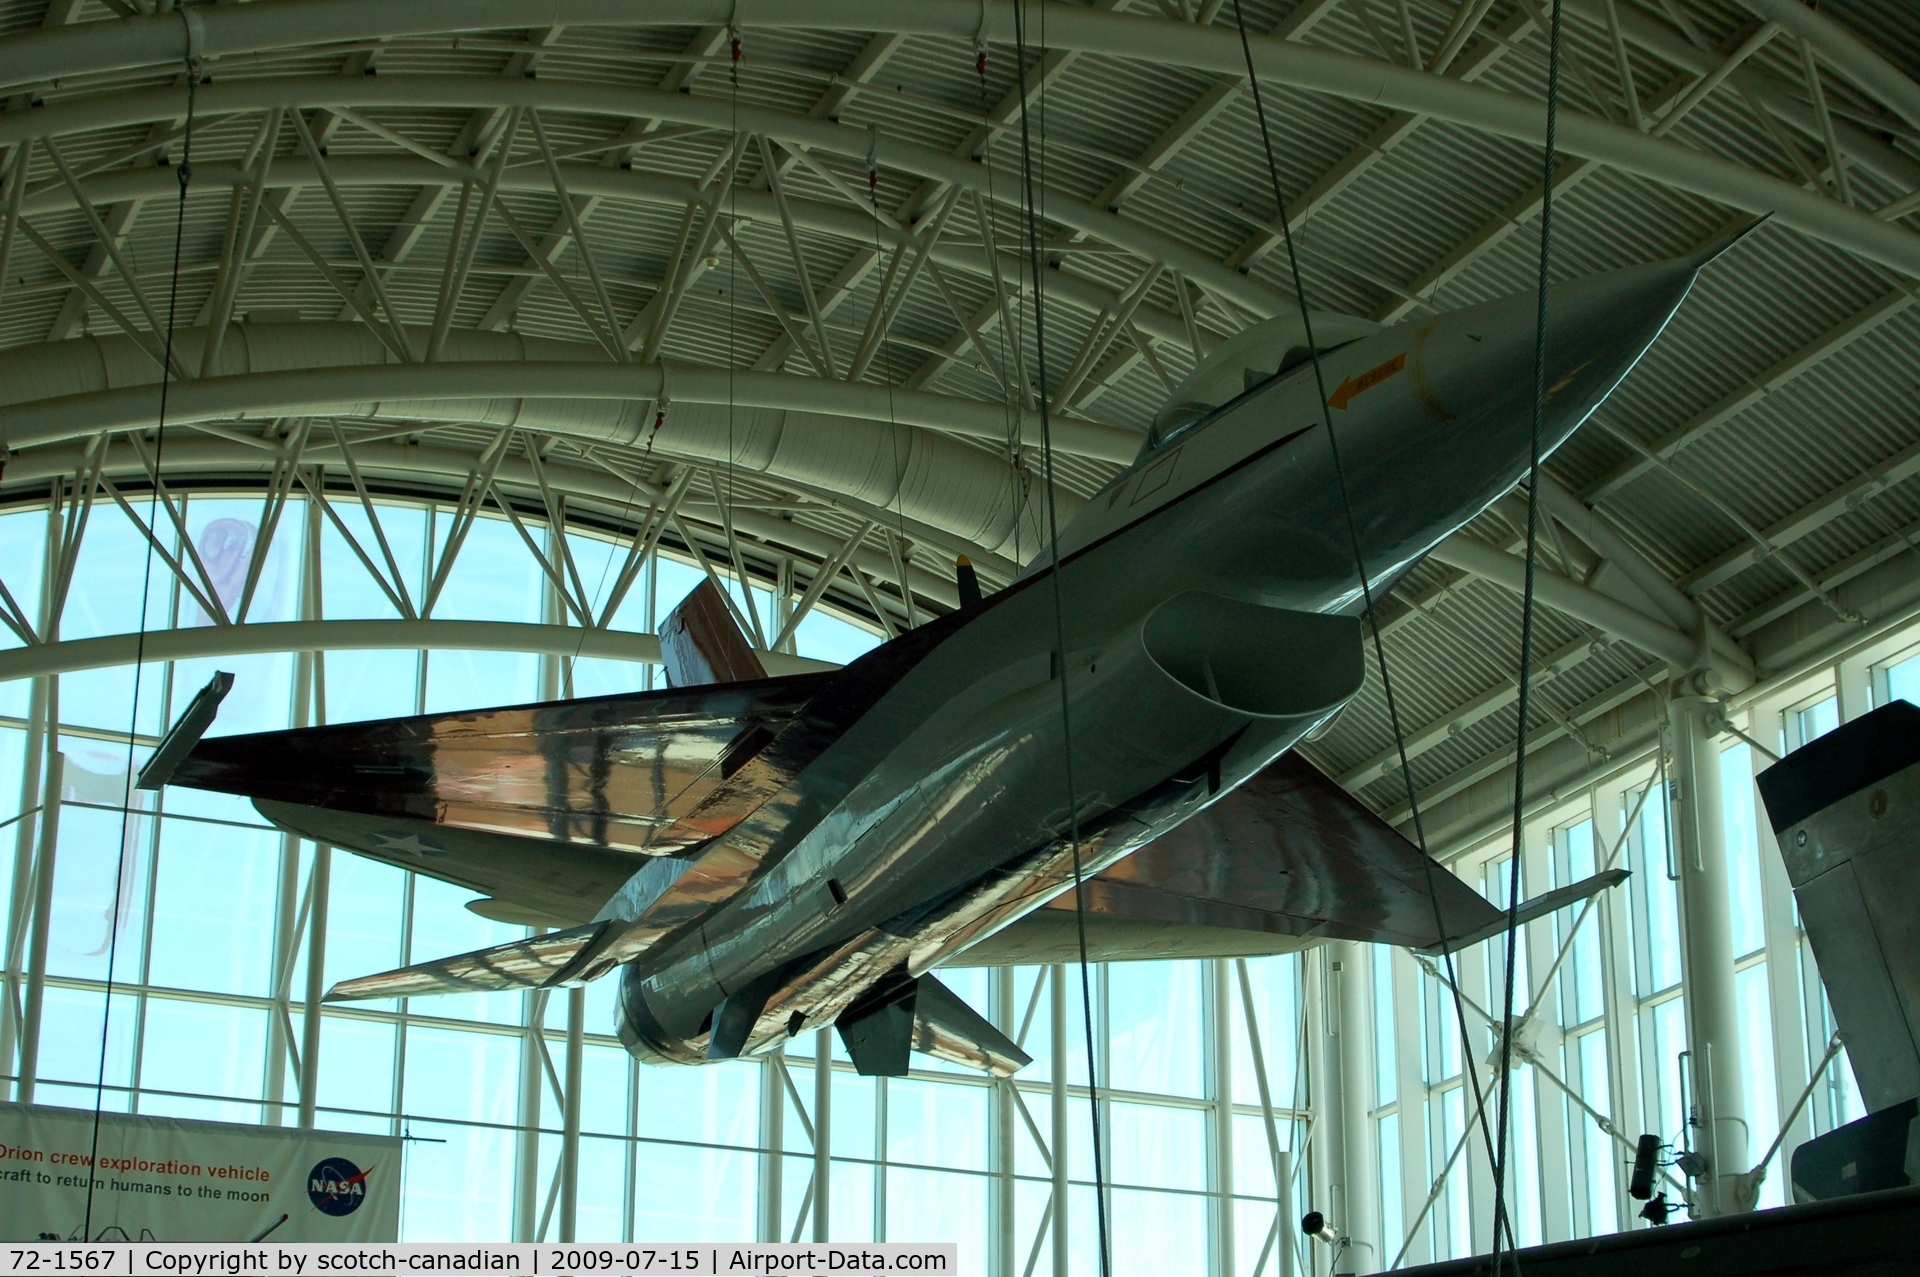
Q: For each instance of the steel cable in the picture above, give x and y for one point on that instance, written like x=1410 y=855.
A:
x=185 y=175
x=1501 y=1167
x=1366 y=587
x=1060 y=649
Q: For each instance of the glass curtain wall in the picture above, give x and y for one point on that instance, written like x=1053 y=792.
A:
x=199 y=913
x=1600 y=999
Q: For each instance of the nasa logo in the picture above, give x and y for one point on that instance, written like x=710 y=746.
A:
x=336 y=1186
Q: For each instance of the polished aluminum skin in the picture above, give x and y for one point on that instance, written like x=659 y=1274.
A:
x=802 y=846
x=1845 y=810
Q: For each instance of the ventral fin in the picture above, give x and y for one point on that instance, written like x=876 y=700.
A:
x=902 y=1014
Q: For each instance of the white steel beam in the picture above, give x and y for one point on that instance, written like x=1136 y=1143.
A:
x=1441 y=97
x=43 y=879
x=1816 y=514
x=1780 y=97
x=834 y=221
x=1421 y=739
x=1591 y=527
x=609 y=492
x=1846 y=52
x=495 y=375
x=1548 y=738
x=706 y=42
x=1174 y=139
x=369 y=275
x=67 y=655
x=118 y=220
x=1392 y=131
x=1570 y=597
x=1679 y=97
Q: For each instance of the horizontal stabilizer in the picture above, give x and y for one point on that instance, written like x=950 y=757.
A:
x=1286 y=860
x=1538 y=907
x=537 y=962
x=948 y=1029
x=186 y=732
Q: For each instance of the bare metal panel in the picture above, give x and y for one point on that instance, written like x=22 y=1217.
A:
x=1286 y=859
x=700 y=643
x=654 y=773
x=1846 y=811
x=531 y=963
x=1050 y=935
x=1865 y=999
x=948 y=1029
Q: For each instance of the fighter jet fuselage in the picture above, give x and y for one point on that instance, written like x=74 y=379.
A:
x=1205 y=605
x=1197 y=618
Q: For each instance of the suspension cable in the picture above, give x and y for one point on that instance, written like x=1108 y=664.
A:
x=1501 y=1165
x=1366 y=588
x=1012 y=376
x=185 y=175
x=1060 y=645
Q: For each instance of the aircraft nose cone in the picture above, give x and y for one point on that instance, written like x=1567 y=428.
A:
x=1478 y=363
x=1460 y=433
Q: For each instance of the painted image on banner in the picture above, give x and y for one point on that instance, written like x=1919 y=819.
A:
x=165 y=1179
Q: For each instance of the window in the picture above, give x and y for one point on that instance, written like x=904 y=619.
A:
x=1741 y=833
x=1393 y=1224
x=1497 y=884
x=1655 y=897
x=1812 y=721
x=1582 y=988
x=1598 y=1150
x=1901 y=681
x=1386 y=1087
x=1756 y=1070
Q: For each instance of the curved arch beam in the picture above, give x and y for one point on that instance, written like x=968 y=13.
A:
x=126 y=43
x=374 y=389
x=1855 y=58
x=498 y=92
x=870 y=444
x=116 y=186
x=406 y=466
x=1570 y=598
x=267 y=637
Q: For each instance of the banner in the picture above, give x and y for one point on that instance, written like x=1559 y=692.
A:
x=165 y=1179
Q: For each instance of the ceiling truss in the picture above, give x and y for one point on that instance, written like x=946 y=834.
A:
x=869 y=270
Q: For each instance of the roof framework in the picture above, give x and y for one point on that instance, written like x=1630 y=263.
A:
x=584 y=269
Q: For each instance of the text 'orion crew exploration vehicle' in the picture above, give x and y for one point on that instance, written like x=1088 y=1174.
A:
x=765 y=855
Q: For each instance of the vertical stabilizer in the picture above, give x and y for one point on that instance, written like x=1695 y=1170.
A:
x=701 y=644
x=1846 y=811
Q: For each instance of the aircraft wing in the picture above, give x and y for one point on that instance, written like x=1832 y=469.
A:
x=546 y=808
x=1285 y=861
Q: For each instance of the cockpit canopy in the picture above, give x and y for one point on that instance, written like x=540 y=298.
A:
x=1247 y=359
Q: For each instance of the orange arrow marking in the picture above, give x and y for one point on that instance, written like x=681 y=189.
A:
x=1345 y=392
